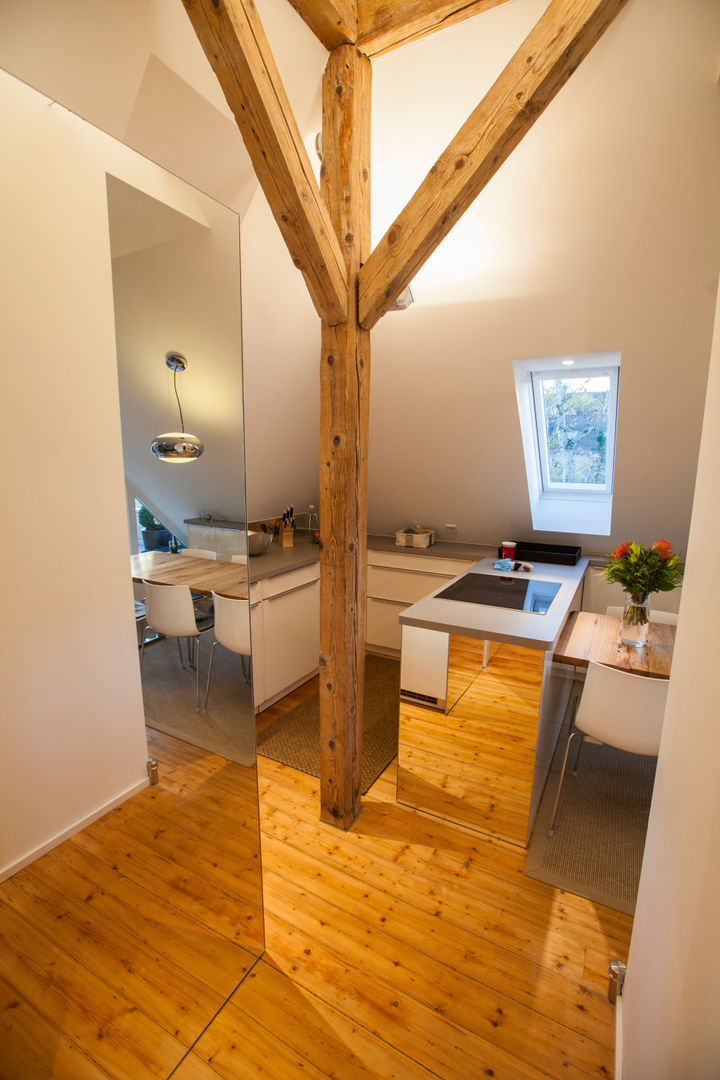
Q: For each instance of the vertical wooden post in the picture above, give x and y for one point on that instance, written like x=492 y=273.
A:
x=344 y=396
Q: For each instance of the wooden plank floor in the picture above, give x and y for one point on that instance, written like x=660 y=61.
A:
x=406 y=948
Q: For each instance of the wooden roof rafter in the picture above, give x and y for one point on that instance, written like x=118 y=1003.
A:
x=551 y=52
x=383 y=26
x=377 y=26
x=333 y=22
x=234 y=42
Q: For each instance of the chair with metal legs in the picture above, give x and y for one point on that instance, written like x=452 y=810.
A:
x=169 y=610
x=619 y=709
x=232 y=629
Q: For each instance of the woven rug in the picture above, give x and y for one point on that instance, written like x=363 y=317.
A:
x=600 y=827
x=294 y=739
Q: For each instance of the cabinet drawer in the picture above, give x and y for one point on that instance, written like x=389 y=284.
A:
x=408 y=587
x=426 y=564
x=291 y=579
x=383 y=627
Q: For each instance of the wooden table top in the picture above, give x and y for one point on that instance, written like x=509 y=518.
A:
x=587 y=636
x=202 y=575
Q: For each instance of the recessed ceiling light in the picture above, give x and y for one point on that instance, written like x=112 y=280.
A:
x=567 y=363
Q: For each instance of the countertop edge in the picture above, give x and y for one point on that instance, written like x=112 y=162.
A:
x=500 y=624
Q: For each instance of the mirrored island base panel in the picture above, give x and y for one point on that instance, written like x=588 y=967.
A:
x=481 y=763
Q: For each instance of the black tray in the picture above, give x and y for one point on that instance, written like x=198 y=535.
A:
x=563 y=554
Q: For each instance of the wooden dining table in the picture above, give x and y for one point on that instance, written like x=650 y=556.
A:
x=204 y=576
x=587 y=636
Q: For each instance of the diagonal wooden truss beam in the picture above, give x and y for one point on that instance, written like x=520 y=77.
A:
x=333 y=22
x=384 y=26
x=234 y=41
x=542 y=65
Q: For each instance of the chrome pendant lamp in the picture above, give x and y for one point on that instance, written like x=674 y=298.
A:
x=177 y=446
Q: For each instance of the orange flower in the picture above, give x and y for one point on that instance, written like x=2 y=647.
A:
x=664 y=549
x=622 y=549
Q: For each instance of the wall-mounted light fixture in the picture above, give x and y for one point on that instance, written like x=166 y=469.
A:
x=177 y=445
x=404 y=300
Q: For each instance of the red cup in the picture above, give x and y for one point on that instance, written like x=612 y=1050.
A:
x=508 y=549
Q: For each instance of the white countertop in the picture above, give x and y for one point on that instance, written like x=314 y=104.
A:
x=501 y=624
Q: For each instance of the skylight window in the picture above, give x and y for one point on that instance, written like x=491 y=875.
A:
x=568 y=416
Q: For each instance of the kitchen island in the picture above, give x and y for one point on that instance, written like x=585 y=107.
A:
x=482 y=702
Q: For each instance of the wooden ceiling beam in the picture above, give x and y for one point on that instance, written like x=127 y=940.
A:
x=333 y=22
x=234 y=41
x=542 y=65
x=383 y=26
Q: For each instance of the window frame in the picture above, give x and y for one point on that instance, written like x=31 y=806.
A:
x=537 y=377
x=559 y=510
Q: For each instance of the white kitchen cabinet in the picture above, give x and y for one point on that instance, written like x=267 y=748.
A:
x=285 y=615
x=395 y=580
x=225 y=542
x=285 y=633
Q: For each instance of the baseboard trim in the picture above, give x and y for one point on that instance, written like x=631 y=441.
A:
x=25 y=860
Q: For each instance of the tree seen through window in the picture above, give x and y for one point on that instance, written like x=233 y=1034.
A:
x=576 y=425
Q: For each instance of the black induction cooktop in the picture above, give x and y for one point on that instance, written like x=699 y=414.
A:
x=506 y=592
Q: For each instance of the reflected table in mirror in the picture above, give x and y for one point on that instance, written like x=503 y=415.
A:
x=202 y=575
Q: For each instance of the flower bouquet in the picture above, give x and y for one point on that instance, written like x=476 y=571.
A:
x=642 y=571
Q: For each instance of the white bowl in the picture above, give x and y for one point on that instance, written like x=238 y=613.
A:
x=258 y=542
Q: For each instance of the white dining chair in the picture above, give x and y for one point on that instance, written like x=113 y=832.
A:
x=169 y=610
x=232 y=629
x=667 y=617
x=199 y=553
x=140 y=620
x=619 y=709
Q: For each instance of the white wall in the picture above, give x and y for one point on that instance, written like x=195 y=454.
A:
x=602 y=231
x=73 y=727
x=281 y=355
x=132 y=69
x=670 y=1002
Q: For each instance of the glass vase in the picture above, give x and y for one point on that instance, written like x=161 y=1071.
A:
x=635 y=622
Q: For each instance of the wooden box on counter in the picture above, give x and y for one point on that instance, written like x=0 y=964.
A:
x=421 y=539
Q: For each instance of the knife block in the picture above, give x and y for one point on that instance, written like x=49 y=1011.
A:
x=287 y=536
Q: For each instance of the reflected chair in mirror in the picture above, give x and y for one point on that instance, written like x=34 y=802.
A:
x=668 y=617
x=169 y=610
x=140 y=620
x=618 y=709
x=232 y=629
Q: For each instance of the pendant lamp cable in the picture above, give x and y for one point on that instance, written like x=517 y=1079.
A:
x=177 y=398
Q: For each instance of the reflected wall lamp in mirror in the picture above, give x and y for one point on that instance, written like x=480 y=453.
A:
x=177 y=446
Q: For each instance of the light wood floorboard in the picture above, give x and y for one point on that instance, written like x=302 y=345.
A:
x=406 y=948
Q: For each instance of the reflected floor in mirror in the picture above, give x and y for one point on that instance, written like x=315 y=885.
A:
x=474 y=764
x=407 y=947
x=228 y=727
x=122 y=943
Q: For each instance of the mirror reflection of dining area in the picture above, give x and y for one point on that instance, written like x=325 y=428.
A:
x=545 y=737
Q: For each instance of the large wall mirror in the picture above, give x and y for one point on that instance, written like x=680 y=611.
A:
x=176 y=291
